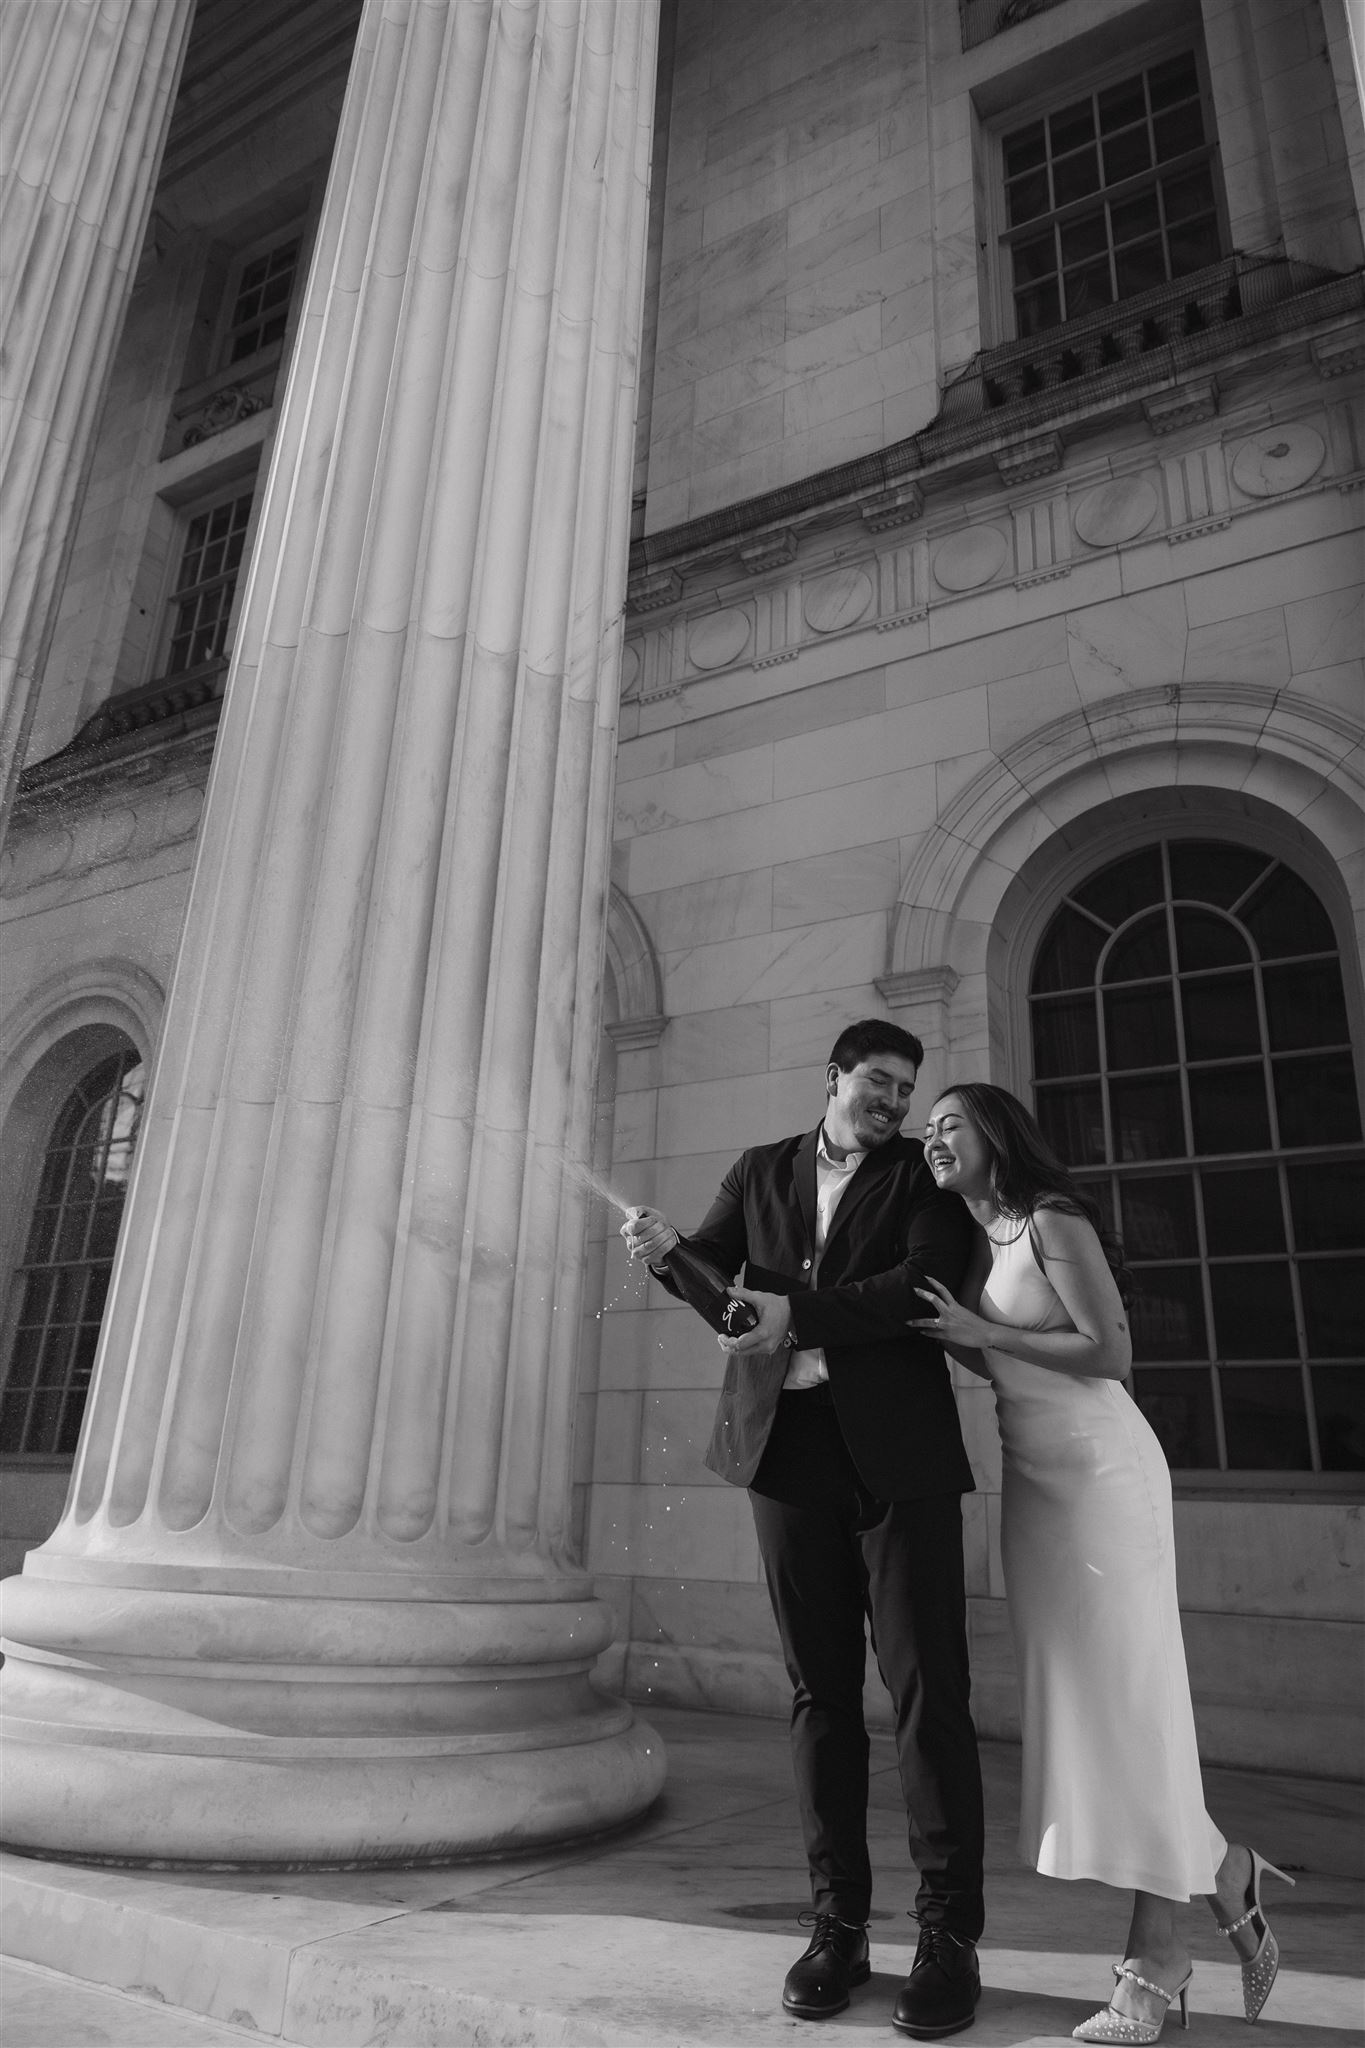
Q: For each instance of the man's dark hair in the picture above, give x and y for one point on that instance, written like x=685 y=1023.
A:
x=871 y=1035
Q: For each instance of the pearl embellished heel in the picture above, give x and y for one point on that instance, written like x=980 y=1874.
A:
x=1117 y=2026
x=1258 y=1971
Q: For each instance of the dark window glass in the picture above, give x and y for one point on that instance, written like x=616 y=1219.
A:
x=1071 y=127
x=1316 y=1099
x=1334 y=1307
x=202 y=605
x=1214 y=873
x=1221 y=1018
x=1193 y=245
x=1123 y=887
x=1189 y=196
x=1286 y=919
x=260 y=310
x=1179 y=131
x=1147 y=1119
x=1083 y=238
x=1179 y=1406
x=1166 y=1314
x=1158 y=1218
x=1242 y=1211
x=1253 y=1310
x=1025 y=149
x=57 y=1293
x=1327 y=1201
x=1066 y=1038
x=1305 y=1005
x=1126 y=155
x=1120 y=105
x=1036 y=258
x=1028 y=197
x=1069 y=953
x=1228 y=1106
x=1339 y=1397
x=1249 y=1275
x=1141 y=952
x=1139 y=1026
x=1264 y=1419
x=1203 y=939
x=1072 y=1121
x=1176 y=79
x=1135 y=218
x=1075 y=177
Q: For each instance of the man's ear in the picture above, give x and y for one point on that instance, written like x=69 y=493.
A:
x=832 y=1078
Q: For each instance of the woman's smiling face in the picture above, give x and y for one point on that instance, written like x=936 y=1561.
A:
x=956 y=1151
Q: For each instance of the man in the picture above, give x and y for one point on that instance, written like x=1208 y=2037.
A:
x=841 y=1421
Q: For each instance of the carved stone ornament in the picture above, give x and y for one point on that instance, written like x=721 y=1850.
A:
x=226 y=407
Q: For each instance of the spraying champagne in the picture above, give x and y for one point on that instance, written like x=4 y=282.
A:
x=705 y=1288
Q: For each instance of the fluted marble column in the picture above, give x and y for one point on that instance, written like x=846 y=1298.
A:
x=85 y=98
x=311 y=1599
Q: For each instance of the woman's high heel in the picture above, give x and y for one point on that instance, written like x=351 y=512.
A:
x=1258 y=1971
x=1117 y=2026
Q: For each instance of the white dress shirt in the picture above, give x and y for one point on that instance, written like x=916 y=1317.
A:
x=832 y=1176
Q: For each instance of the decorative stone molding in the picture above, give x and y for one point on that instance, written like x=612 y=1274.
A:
x=1187 y=406
x=768 y=551
x=907 y=990
x=896 y=507
x=652 y=590
x=234 y=402
x=636 y=976
x=1022 y=461
x=1336 y=354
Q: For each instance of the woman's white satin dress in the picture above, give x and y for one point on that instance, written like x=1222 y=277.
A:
x=1111 y=1781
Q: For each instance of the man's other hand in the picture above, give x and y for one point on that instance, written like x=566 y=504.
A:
x=774 y=1321
x=648 y=1234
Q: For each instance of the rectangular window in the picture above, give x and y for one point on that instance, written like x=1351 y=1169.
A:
x=201 y=604
x=257 y=307
x=1109 y=194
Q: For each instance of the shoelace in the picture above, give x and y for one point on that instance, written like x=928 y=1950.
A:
x=826 y=1926
x=933 y=1938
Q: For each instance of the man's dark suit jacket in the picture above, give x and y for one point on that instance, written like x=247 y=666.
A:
x=890 y=1385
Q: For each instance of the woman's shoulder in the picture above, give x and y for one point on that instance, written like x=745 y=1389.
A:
x=1057 y=1227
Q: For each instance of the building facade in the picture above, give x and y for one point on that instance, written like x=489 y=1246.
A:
x=991 y=661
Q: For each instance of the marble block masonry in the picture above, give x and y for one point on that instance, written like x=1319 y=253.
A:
x=311 y=1598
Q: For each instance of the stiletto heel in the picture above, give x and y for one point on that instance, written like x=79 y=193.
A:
x=1258 y=1971
x=1117 y=2026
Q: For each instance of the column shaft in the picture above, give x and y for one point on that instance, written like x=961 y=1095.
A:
x=337 y=1369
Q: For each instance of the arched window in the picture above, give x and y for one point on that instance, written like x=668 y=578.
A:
x=1192 y=1061
x=57 y=1294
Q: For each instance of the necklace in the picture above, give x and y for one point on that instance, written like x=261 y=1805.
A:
x=1001 y=1242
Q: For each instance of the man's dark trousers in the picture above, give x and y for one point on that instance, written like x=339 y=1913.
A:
x=833 y=1554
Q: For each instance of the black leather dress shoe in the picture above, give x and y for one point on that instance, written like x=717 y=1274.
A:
x=818 y=1983
x=940 y=1994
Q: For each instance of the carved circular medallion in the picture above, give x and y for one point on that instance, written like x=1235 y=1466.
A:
x=718 y=639
x=967 y=559
x=1115 y=512
x=838 y=599
x=1277 y=459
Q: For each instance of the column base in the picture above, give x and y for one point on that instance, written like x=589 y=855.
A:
x=164 y=1727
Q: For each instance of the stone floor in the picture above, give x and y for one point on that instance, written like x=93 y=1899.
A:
x=675 y=1934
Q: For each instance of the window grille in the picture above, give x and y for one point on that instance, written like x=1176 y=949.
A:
x=1110 y=195
x=1192 y=1062
x=57 y=1294
x=201 y=606
x=260 y=304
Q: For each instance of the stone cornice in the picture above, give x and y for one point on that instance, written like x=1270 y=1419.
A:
x=1159 y=388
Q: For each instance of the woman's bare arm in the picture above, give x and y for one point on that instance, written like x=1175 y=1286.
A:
x=1098 y=1347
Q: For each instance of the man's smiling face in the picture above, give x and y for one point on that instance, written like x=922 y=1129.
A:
x=868 y=1104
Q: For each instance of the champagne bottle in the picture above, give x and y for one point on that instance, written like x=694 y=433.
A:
x=704 y=1287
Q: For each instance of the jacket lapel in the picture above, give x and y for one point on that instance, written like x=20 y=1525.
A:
x=869 y=1171
x=803 y=1173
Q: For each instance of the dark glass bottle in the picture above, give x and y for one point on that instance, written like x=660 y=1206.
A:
x=704 y=1287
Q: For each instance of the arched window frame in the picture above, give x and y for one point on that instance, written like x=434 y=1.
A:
x=1063 y=865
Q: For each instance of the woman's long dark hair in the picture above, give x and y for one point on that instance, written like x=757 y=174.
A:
x=1026 y=1173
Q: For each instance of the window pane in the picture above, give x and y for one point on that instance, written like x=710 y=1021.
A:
x=1209 y=872
x=1072 y=126
x=1176 y=79
x=1065 y=1037
x=1136 y=218
x=1339 y=1397
x=1120 y=105
x=1327 y=1201
x=1141 y=952
x=1073 y=1124
x=1082 y=238
x=1316 y=1099
x=1193 y=245
x=1334 y=1307
x=1305 y=1005
x=1179 y=1406
x=1024 y=149
x=1188 y=196
x=1167 y=1313
x=1221 y=1018
x=1035 y=258
x=1253 y=1310
x=1036 y=310
x=1087 y=289
x=1075 y=177
x=1139 y=1026
x=1203 y=939
x=1229 y=1110
x=1287 y=920
x=1067 y=956
x=1123 y=887
x=1242 y=1211
x=1264 y=1419
x=1158 y=1218
x=1028 y=197
x=1180 y=130
x=1146 y=1118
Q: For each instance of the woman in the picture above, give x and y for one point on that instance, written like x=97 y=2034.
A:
x=1111 y=1785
